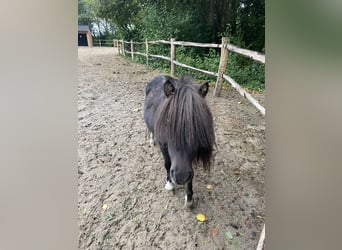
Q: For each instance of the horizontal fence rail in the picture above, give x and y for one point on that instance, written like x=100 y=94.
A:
x=196 y=69
x=103 y=43
x=225 y=46
x=203 y=45
x=247 y=53
x=161 y=57
x=159 y=42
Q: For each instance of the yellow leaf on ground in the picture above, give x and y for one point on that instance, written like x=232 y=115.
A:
x=209 y=186
x=105 y=206
x=201 y=217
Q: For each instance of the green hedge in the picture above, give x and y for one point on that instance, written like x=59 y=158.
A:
x=246 y=72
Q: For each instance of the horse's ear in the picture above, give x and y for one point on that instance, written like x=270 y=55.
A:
x=203 y=90
x=169 y=89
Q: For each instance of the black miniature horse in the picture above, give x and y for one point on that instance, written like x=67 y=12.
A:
x=178 y=116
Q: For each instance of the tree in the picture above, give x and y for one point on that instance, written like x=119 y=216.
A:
x=191 y=20
x=252 y=23
x=85 y=15
x=122 y=13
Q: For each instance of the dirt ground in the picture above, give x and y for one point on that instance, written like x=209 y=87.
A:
x=122 y=203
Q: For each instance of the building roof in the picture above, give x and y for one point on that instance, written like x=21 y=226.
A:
x=83 y=28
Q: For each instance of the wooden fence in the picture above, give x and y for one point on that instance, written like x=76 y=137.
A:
x=103 y=43
x=225 y=47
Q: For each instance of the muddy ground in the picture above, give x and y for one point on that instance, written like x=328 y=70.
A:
x=122 y=202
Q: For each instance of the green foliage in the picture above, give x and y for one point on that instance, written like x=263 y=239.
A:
x=246 y=72
x=207 y=60
x=188 y=20
x=162 y=22
x=123 y=13
x=252 y=24
x=85 y=15
x=155 y=63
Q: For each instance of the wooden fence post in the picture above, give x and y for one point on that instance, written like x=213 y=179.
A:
x=146 y=42
x=132 y=52
x=222 y=66
x=173 y=57
x=123 y=47
x=119 y=47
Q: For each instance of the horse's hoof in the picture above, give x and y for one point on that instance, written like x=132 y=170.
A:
x=169 y=186
x=189 y=204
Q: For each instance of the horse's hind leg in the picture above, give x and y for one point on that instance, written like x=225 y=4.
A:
x=189 y=202
x=167 y=164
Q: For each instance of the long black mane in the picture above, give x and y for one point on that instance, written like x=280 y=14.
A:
x=184 y=120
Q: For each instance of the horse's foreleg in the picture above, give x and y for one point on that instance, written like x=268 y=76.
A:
x=167 y=164
x=151 y=140
x=150 y=136
x=189 y=202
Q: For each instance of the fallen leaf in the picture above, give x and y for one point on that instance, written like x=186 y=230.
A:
x=213 y=231
x=229 y=235
x=209 y=186
x=84 y=211
x=201 y=217
x=105 y=206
